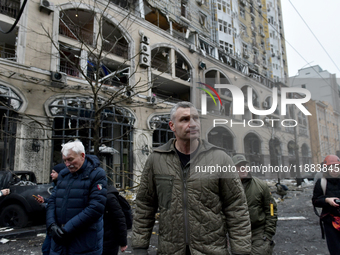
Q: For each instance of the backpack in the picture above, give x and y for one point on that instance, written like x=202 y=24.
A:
x=323 y=183
x=126 y=207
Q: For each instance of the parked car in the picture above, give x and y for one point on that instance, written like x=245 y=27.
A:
x=19 y=207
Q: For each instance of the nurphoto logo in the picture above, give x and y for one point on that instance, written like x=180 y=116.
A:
x=238 y=101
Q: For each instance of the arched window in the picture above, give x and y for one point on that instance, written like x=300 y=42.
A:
x=252 y=149
x=10 y=102
x=221 y=137
x=74 y=118
x=291 y=148
x=167 y=63
x=162 y=132
x=8 y=98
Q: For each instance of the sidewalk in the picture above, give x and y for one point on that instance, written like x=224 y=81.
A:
x=10 y=233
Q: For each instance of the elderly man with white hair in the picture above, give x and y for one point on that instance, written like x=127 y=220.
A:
x=75 y=209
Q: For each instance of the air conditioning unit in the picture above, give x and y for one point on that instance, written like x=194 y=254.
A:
x=144 y=60
x=46 y=6
x=127 y=94
x=145 y=40
x=59 y=77
x=265 y=105
x=152 y=99
x=192 y=48
x=145 y=49
x=145 y=55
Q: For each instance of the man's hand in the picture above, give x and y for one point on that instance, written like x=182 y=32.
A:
x=4 y=192
x=58 y=234
x=123 y=248
x=39 y=199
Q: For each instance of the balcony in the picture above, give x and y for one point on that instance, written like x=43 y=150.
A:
x=8 y=53
x=161 y=65
x=9 y=8
x=8 y=42
x=116 y=48
x=182 y=74
x=76 y=32
x=72 y=71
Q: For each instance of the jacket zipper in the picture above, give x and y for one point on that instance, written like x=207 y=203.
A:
x=185 y=206
x=67 y=193
x=185 y=200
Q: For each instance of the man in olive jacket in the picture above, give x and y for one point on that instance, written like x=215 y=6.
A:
x=262 y=208
x=197 y=209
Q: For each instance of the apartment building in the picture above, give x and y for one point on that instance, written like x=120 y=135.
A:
x=325 y=109
x=324 y=130
x=110 y=71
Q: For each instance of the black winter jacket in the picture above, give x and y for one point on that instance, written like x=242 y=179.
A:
x=77 y=205
x=332 y=190
x=115 y=230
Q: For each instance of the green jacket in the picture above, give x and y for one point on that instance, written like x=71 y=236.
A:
x=196 y=209
x=259 y=199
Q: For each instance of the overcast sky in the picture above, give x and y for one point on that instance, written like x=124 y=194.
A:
x=323 y=19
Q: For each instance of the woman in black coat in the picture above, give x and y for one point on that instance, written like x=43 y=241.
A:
x=326 y=200
x=115 y=230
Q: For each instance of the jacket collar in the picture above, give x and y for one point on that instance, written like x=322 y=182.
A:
x=90 y=163
x=170 y=146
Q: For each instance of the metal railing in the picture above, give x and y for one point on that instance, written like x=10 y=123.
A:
x=161 y=65
x=116 y=48
x=69 y=70
x=8 y=55
x=9 y=8
x=76 y=32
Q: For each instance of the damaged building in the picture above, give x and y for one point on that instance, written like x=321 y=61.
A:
x=108 y=73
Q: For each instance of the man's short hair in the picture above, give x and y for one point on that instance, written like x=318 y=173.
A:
x=183 y=104
x=76 y=146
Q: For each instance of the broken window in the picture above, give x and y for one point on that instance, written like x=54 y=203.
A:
x=74 y=118
x=156 y=17
x=162 y=132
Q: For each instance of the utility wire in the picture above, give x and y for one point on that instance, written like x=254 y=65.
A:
x=314 y=35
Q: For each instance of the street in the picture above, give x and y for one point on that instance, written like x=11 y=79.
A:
x=301 y=235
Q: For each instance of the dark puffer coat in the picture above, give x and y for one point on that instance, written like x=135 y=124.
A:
x=332 y=190
x=115 y=230
x=77 y=205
